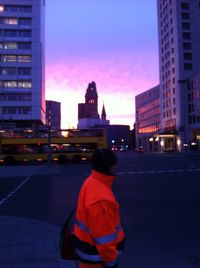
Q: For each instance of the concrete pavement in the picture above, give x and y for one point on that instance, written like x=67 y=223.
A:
x=26 y=243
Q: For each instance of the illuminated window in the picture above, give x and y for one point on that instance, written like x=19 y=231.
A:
x=9 y=58
x=9 y=84
x=24 y=58
x=1 y=8
x=25 y=84
x=10 y=45
x=12 y=21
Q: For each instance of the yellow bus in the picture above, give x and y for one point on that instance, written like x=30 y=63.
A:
x=74 y=146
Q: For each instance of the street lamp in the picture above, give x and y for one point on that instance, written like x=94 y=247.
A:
x=49 y=137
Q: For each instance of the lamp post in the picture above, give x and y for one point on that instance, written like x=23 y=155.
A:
x=183 y=128
x=49 y=137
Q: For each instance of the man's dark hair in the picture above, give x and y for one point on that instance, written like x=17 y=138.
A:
x=103 y=160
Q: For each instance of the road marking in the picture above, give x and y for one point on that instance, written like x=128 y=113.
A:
x=158 y=171
x=4 y=199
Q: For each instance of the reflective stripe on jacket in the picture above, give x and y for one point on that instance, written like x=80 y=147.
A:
x=99 y=236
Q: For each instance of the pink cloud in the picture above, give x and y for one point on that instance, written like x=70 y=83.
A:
x=119 y=78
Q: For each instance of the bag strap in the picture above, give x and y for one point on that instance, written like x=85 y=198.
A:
x=69 y=218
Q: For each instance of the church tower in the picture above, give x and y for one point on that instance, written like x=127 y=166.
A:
x=89 y=109
x=91 y=96
x=88 y=112
x=103 y=113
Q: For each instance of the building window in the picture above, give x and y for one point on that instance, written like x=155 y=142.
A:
x=185 y=6
x=7 y=71
x=26 y=9
x=12 y=21
x=24 y=110
x=187 y=66
x=25 y=46
x=186 y=35
x=24 y=21
x=185 y=16
x=186 y=25
x=24 y=34
x=9 y=84
x=9 y=110
x=24 y=58
x=25 y=84
x=16 y=58
x=15 y=8
x=24 y=71
x=10 y=8
x=10 y=45
x=9 y=58
x=1 y=8
x=10 y=33
x=187 y=45
x=187 y=56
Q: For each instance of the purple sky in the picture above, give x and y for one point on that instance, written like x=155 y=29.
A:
x=111 y=42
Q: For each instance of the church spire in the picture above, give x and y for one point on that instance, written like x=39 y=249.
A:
x=103 y=113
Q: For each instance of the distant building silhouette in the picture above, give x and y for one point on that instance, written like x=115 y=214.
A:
x=53 y=114
x=89 y=109
x=88 y=115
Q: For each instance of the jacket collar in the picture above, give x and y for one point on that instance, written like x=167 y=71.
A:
x=105 y=179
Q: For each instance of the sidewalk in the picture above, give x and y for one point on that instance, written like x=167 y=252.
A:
x=28 y=243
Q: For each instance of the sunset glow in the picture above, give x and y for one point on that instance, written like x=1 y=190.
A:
x=120 y=73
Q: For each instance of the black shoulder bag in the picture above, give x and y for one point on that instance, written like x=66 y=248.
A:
x=66 y=240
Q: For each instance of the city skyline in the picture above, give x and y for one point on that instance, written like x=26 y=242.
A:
x=106 y=42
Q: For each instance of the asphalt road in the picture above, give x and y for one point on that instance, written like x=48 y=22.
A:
x=158 y=195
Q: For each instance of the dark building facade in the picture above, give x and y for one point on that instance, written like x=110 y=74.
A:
x=53 y=114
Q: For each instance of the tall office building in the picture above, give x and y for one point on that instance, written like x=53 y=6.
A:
x=179 y=55
x=22 y=76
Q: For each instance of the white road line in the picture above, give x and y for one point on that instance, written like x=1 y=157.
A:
x=157 y=171
x=3 y=200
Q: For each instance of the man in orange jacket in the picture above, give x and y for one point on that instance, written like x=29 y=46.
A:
x=99 y=236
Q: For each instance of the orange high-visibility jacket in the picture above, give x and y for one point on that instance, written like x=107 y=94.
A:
x=99 y=236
